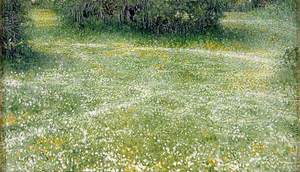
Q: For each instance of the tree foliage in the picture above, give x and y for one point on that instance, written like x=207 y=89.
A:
x=154 y=15
x=13 y=18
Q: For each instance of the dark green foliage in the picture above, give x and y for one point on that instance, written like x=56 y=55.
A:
x=287 y=67
x=180 y=16
x=290 y=58
x=13 y=36
x=153 y=15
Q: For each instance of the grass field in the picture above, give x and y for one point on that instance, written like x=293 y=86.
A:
x=112 y=100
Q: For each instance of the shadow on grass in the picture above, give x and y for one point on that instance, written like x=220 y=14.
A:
x=146 y=38
x=26 y=59
x=219 y=35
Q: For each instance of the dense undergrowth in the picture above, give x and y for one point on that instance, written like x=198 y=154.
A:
x=154 y=16
x=14 y=21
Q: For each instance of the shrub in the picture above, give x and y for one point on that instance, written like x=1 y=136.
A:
x=290 y=58
x=13 y=36
x=83 y=11
x=183 y=16
x=152 y=15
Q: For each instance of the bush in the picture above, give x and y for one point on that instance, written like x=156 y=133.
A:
x=152 y=15
x=175 y=16
x=13 y=36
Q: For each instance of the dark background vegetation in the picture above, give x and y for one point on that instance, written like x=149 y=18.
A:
x=14 y=20
x=154 y=16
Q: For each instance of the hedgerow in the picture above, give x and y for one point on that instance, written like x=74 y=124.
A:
x=153 y=15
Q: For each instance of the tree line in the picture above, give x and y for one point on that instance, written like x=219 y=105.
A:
x=160 y=16
x=152 y=15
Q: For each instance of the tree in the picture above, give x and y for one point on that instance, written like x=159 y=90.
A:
x=152 y=15
x=13 y=18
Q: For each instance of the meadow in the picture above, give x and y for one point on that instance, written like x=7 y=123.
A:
x=120 y=100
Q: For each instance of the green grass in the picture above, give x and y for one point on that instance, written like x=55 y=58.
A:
x=121 y=100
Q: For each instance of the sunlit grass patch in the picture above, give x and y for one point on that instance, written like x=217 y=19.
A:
x=251 y=79
x=44 y=18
